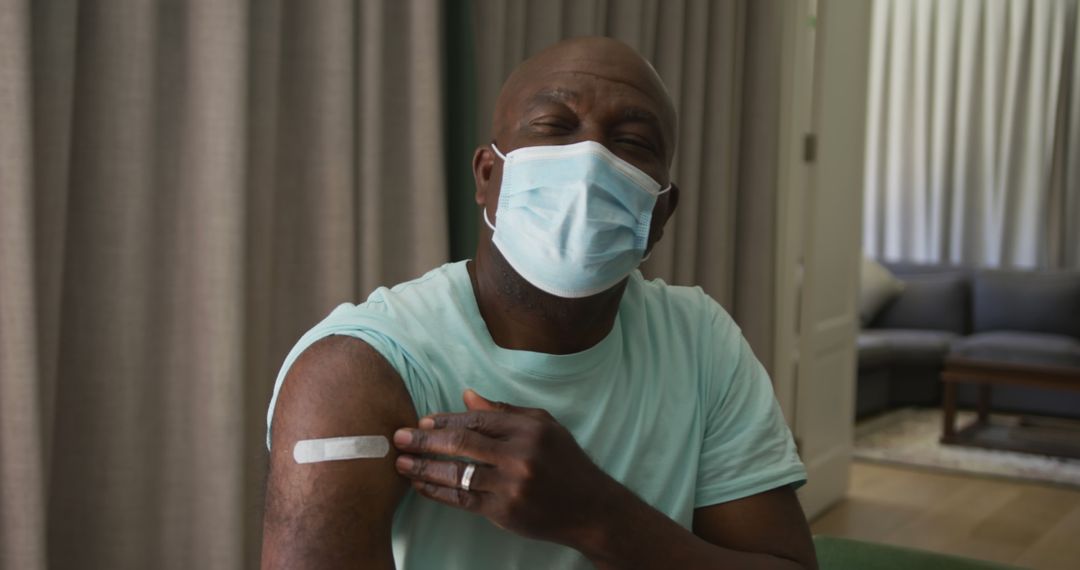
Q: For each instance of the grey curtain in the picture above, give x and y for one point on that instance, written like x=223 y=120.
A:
x=184 y=188
x=973 y=133
x=696 y=46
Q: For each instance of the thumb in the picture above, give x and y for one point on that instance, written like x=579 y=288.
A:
x=474 y=401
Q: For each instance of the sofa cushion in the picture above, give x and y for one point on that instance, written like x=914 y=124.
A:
x=877 y=286
x=1042 y=302
x=931 y=301
x=909 y=347
x=1019 y=347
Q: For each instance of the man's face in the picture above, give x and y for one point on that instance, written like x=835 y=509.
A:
x=609 y=96
x=567 y=107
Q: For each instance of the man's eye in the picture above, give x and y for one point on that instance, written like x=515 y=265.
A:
x=635 y=142
x=552 y=126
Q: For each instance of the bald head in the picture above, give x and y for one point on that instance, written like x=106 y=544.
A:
x=602 y=82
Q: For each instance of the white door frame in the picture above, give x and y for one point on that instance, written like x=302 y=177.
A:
x=824 y=82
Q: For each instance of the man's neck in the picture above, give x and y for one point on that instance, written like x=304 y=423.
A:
x=521 y=317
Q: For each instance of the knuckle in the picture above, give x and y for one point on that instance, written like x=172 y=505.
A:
x=535 y=436
x=515 y=495
x=474 y=422
x=420 y=467
x=457 y=440
x=528 y=473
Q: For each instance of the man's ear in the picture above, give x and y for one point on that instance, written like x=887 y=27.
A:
x=672 y=203
x=662 y=215
x=483 y=164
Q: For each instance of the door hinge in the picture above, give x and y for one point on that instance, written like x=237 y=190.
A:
x=809 y=147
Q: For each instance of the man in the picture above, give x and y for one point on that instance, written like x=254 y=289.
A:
x=638 y=429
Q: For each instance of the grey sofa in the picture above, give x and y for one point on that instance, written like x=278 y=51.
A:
x=1010 y=316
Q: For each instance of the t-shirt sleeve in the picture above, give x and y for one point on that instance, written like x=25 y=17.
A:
x=747 y=447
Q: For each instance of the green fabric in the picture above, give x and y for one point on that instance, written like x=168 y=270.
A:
x=672 y=403
x=843 y=554
x=459 y=140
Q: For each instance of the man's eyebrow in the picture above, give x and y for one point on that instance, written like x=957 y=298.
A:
x=641 y=115
x=552 y=95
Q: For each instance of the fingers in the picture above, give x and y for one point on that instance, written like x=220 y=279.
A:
x=441 y=481
x=454 y=441
x=452 y=496
x=494 y=424
x=445 y=473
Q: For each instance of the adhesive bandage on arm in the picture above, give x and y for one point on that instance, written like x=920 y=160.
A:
x=340 y=448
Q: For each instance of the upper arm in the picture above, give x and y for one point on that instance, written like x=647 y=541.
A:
x=334 y=514
x=745 y=499
x=770 y=523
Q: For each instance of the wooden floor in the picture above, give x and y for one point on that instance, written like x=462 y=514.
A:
x=1028 y=525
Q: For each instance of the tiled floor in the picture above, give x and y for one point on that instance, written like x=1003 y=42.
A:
x=1024 y=524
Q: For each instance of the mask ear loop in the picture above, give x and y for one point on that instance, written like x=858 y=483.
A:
x=503 y=157
x=647 y=255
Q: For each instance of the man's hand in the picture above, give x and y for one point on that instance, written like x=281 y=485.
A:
x=531 y=476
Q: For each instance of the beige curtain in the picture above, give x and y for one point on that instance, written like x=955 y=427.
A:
x=696 y=46
x=185 y=187
x=973 y=133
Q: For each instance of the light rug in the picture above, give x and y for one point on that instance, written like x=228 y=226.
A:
x=909 y=437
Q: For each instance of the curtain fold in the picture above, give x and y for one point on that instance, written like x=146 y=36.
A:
x=22 y=457
x=696 y=46
x=972 y=133
x=184 y=189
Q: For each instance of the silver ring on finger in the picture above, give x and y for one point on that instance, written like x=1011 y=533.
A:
x=466 y=476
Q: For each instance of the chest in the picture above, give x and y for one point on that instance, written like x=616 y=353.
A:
x=638 y=416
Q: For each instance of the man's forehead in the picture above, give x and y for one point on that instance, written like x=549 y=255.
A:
x=636 y=109
x=568 y=77
x=580 y=67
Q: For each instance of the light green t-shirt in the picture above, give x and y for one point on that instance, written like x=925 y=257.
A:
x=672 y=404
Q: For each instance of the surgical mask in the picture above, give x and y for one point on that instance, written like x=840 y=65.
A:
x=573 y=220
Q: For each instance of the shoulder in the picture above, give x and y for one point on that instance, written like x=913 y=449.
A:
x=687 y=306
x=691 y=320
x=429 y=292
x=390 y=329
x=344 y=373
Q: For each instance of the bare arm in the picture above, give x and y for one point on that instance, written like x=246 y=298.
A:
x=772 y=523
x=767 y=530
x=334 y=514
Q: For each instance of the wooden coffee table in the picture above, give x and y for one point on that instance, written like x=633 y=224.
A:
x=1047 y=436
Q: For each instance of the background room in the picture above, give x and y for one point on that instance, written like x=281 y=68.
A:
x=883 y=194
